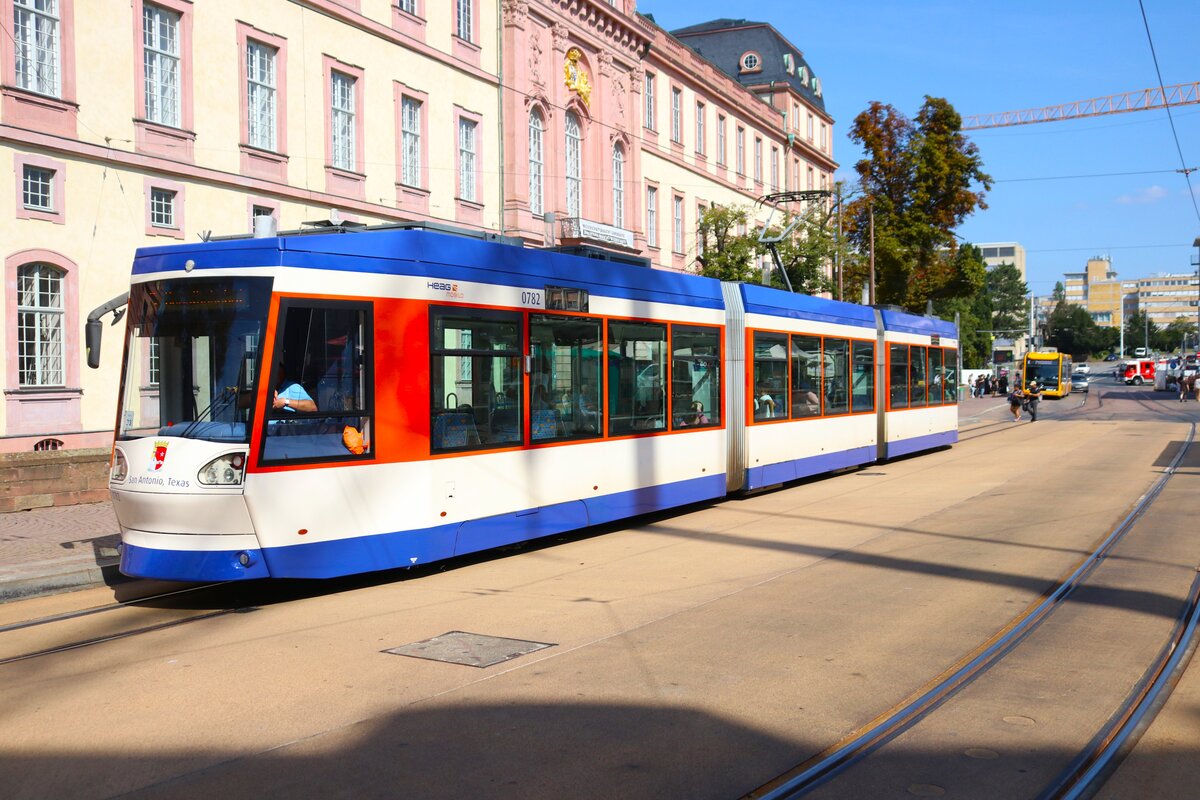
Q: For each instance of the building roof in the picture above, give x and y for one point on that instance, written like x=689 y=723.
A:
x=725 y=41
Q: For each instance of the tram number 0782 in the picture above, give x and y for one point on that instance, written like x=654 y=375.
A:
x=531 y=298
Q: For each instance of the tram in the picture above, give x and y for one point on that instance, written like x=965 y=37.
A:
x=319 y=404
x=1052 y=371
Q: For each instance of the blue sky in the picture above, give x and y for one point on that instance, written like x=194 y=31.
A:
x=985 y=57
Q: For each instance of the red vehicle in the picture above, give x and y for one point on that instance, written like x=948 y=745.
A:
x=1139 y=371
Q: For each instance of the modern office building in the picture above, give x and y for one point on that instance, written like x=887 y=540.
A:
x=132 y=123
x=1166 y=297
x=997 y=253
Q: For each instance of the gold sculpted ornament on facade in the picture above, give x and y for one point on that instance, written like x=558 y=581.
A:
x=575 y=78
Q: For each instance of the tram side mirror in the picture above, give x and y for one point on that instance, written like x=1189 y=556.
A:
x=93 y=330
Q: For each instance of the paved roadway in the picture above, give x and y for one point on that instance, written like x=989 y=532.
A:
x=695 y=655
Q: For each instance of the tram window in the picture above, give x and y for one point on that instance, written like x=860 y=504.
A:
x=321 y=399
x=637 y=372
x=936 y=376
x=806 y=376
x=475 y=375
x=836 y=376
x=917 y=378
x=898 y=375
x=770 y=375
x=564 y=384
x=695 y=376
x=862 y=379
x=950 y=369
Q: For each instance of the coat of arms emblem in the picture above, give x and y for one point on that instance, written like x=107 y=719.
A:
x=575 y=78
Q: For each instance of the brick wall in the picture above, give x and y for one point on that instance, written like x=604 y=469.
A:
x=53 y=478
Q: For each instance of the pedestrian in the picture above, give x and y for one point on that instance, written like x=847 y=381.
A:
x=1004 y=384
x=1033 y=394
x=978 y=390
x=987 y=385
x=1015 y=398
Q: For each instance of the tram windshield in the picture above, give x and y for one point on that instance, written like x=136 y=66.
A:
x=192 y=351
x=1046 y=372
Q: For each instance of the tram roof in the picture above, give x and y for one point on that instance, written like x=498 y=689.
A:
x=435 y=255
x=776 y=302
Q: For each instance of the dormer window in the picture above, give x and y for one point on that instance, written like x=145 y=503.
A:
x=816 y=86
x=789 y=63
x=751 y=62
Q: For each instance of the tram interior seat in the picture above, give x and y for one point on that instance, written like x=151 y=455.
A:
x=504 y=425
x=546 y=424
x=454 y=429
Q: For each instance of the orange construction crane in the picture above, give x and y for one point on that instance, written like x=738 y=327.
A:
x=1179 y=95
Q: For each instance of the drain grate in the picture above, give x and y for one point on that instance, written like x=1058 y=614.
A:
x=471 y=649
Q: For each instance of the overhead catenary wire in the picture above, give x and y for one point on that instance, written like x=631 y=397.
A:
x=1187 y=172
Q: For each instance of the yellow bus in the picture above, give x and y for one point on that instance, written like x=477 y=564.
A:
x=1052 y=371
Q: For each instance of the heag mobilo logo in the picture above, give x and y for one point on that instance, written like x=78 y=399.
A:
x=450 y=289
x=160 y=455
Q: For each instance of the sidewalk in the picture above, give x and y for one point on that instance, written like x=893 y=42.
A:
x=49 y=550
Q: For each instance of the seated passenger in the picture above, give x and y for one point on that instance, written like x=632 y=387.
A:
x=764 y=404
x=695 y=416
x=291 y=397
x=585 y=408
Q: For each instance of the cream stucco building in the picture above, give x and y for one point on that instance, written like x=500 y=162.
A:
x=132 y=123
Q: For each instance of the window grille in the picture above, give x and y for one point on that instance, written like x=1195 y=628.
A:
x=618 y=189
x=574 y=167
x=464 y=25
x=342 y=118
x=678 y=221
x=37 y=188
x=160 y=63
x=650 y=122
x=676 y=115
x=40 y=325
x=260 y=96
x=162 y=208
x=466 y=159
x=410 y=123
x=651 y=216
x=36 y=45
x=536 y=163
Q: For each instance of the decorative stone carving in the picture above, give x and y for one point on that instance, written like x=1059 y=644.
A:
x=605 y=63
x=535 y=55
x=516 y=12
x=618 y=93
x=560 y=32
x=637 y=79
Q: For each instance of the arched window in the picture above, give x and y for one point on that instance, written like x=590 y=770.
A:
x=618 y=187
x=535 y=162
x=40 y=312
x=574 y=172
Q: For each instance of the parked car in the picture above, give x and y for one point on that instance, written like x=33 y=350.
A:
x=1079 y=382
x=1084 y=368
x=1112 y=357
x=1141 y=352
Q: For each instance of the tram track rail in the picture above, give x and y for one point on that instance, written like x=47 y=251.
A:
x=77 y=644
x=1087 y=770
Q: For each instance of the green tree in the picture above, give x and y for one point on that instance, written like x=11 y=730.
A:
x=1060 y=293
x=974 y=314
x=1171 y=338
x=724 y=253
x=917 y=180
x=1010 y=315
x=1071 y=329
x=1138 y=331
x=809 y=250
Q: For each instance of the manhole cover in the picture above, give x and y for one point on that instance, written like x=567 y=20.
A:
x=471 y=649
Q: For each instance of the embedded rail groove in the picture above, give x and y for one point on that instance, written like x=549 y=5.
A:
x=1088 y=767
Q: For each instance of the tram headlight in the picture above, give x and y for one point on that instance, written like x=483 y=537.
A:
x=226 y=470
x=120 y=467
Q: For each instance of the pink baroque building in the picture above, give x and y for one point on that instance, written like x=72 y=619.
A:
x=618 y=130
